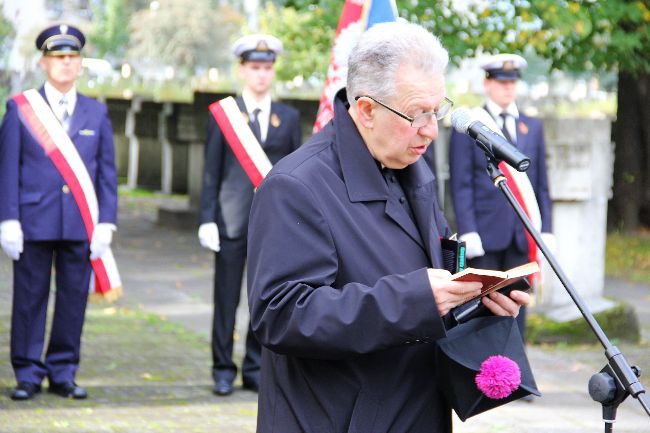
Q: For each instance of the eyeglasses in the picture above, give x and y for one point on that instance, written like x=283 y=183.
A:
x=421 y=119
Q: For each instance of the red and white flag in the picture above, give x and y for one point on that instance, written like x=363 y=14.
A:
x=356 y=17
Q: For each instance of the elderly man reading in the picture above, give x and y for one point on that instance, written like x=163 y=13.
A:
x=346 y=289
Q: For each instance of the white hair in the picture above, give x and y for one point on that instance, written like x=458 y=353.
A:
x=382 y=49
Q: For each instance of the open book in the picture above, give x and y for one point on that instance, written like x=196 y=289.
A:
x=495 y=280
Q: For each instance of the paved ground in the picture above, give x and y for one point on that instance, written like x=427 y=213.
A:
x=167 y=273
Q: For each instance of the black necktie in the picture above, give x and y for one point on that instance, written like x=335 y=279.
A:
x=65 y=116
x=255 y=125
x=504 y=128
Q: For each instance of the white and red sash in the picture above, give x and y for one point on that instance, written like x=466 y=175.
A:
x=522 y=189
x=38 y=117
x=241 y=140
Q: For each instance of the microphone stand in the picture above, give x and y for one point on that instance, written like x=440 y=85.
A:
x=617 y=379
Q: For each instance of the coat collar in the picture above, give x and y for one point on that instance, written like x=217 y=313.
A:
x=79 y=115
x=363 y=179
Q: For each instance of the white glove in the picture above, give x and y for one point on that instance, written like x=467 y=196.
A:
x=11 y=238
x=101 y=242
x=209 y=236
x=473 y=245
x=550 y=241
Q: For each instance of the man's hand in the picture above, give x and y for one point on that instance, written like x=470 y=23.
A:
x=209 y=236
x=502 y=305
x=448 y=293
x=11 y=238
x=102 y=238
x=473 y=245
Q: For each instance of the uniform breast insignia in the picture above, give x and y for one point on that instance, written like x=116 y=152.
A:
x=523 y=129
x=87 y=132
x=245 y=116
x=275 y=120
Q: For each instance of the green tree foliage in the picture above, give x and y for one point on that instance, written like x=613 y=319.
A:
x=6 y=35
x=109 y=35
x=6 y=31
x=611 y=35
x=600 y=35
x=307 y=35
x=184 y=34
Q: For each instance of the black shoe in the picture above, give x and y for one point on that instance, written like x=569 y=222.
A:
x=25 y=391
x=223 y=387
x=251 y=385
x=68 y=389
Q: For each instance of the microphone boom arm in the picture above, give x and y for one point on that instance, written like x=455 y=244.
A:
x=625 y=376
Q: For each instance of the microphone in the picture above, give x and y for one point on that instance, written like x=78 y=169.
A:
x=492 y=143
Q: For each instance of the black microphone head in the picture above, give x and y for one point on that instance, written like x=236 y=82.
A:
x=461 y=118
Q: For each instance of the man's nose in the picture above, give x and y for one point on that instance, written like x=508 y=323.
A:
x=430 y=130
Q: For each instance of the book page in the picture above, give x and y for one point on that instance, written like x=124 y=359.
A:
x=523 y=270
x=495 y=280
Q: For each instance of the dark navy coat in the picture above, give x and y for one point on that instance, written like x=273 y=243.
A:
x=33 y=191
x=227 y=192
x=481 y=207
x=339 y=293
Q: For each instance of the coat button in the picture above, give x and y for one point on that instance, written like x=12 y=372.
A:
x=65 y=189
x=402 y=200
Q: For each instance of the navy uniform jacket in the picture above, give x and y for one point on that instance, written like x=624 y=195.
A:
x=227 y=191
x=33 y=191
x=481 y=207
x=339 y=293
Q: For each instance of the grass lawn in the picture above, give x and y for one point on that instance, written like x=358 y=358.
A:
x=628 y=256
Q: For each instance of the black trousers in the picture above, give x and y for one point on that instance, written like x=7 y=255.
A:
x=502 y=261
x=32 y=274
x=229 y=272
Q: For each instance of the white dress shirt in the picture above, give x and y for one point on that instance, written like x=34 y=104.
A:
x=54 y=98
x=265 y=111
x=511 y=120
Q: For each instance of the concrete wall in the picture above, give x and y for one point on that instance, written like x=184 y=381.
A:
x=580 y=163
x=150 y=126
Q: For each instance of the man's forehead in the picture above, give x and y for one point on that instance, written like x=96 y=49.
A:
x=418 y=82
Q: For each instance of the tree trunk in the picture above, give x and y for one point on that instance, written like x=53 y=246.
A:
x=630 y=156
x=644 y=151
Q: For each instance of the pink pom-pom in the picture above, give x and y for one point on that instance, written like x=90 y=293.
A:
x=499 y=377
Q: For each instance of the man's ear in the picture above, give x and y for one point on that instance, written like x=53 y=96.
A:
x=366 y=112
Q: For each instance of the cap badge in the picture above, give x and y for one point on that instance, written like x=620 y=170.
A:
x=508 y=65
x=63 y=29
x=275 y=120
x=262 y=46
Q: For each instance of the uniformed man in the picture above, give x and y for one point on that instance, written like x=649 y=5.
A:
x=48 y=138
x=227 y=196
x=495 y=237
